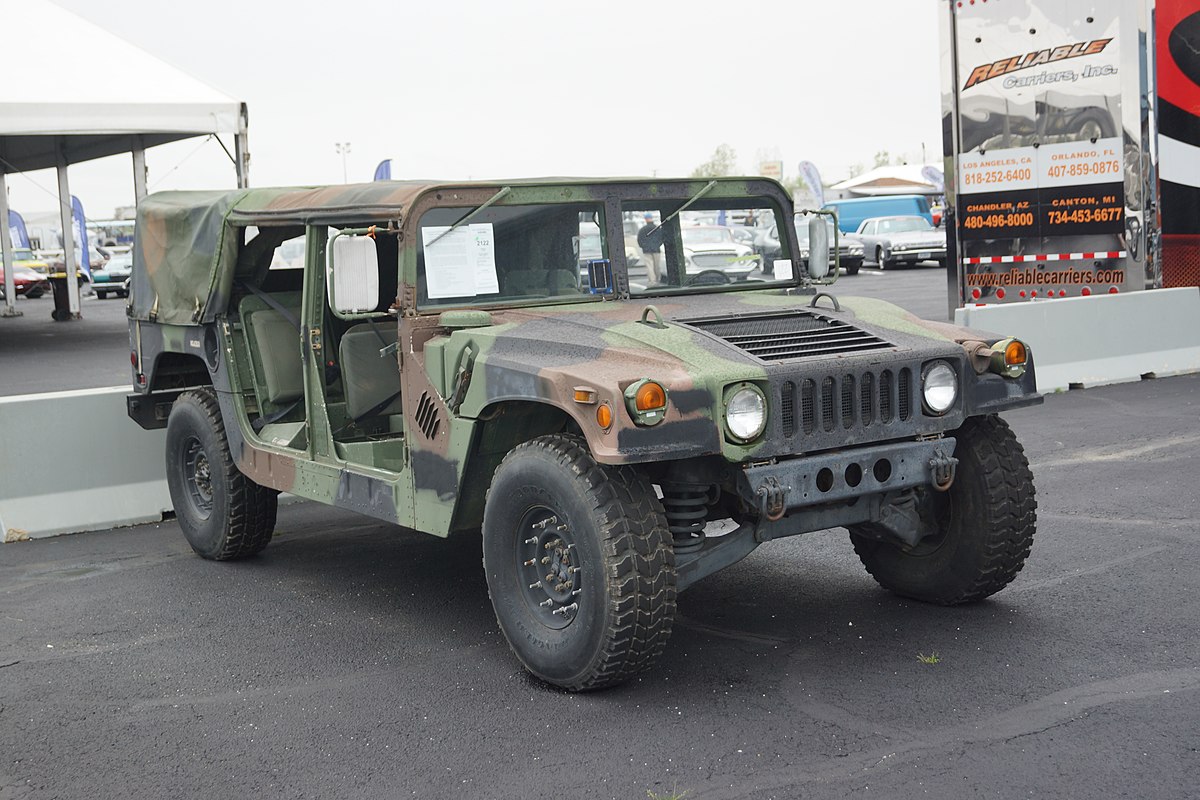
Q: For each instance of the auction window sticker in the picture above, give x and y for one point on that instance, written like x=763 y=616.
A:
x=460 y=262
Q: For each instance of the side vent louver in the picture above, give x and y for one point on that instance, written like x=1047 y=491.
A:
x=428 y=421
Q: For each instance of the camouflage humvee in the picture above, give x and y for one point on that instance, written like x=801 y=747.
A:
x=448 y=357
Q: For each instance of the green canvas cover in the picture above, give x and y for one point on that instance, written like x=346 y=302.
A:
x=186 y=243
x=180 y=241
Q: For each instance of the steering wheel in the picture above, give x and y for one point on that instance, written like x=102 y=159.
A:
x=709 y=277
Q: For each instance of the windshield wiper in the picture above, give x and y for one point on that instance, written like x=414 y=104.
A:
x=474 y=211
x=683 y=207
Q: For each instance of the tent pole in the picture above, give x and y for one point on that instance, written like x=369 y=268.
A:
x=6 y=251
x=139 y=169
x=241 y=153
x=68 y=236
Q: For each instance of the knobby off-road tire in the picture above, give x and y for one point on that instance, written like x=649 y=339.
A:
x=223 y=514
x=986 y=524
x=564 y=534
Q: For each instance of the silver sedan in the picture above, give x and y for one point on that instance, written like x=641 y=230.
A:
x=888 y=241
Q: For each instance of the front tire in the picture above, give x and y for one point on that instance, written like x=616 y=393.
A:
x=223 y=514
x=101 y=294
x=985 y=524
x=880 y=259
x=580 y=565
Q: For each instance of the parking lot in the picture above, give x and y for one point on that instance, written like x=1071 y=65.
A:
x=353 y=659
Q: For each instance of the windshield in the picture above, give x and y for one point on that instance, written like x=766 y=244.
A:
x=672 y=254
x=902 y=224
x=506 y=254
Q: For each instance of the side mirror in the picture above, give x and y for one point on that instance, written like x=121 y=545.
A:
x=818 y=247
x=354 y=274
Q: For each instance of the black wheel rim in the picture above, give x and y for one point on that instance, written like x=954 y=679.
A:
x=549 y=568
x=197 y=477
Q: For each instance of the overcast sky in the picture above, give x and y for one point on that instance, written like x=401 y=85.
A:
x=477 y=89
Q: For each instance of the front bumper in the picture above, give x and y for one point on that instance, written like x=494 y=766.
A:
x=917 y=255
x=788 y=485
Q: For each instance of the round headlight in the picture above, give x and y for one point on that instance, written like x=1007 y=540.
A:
x=940 y=387
x=746 y=413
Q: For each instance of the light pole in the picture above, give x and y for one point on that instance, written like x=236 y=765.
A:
x=343 y=149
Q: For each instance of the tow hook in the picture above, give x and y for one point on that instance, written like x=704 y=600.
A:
x=770 y=499
x=942 y=468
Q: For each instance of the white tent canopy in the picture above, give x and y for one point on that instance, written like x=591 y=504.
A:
x=51 y=116
x=896 y=179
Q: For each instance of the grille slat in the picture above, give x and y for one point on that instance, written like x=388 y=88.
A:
x=782 y=336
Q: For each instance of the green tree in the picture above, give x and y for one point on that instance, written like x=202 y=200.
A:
x=723 y=162
x=883 y=158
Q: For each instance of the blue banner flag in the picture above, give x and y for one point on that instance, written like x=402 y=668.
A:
x=77 y=220
x=16 y=229
x=384 y=171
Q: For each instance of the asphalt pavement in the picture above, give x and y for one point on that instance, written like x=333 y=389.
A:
x=357 y=660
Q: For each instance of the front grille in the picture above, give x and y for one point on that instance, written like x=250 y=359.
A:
x=787 y=335
x=717 y=260
x=851 y=400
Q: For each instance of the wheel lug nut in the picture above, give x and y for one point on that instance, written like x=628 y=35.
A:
x=530 y=562
x=560 y=587
x=549 y=576
x=535 y=585
x=531 y=540
x=545 y=559
x=547 y=603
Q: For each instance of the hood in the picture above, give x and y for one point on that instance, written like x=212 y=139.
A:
x=609 y=341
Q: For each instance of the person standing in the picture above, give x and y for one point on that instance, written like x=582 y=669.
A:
x=650 y=239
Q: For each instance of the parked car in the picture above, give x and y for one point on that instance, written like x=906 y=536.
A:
x=26 y=281
x=111 y=277
x=849 y=247
x=889 y=241
x=711 y=249
x=853 y=211
x=24 y=257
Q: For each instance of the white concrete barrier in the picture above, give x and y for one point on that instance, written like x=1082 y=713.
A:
x=75 y=461
x=1088 y=341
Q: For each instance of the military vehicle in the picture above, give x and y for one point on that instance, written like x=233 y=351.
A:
x=448 y=359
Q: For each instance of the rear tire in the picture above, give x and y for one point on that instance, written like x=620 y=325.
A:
x=101 y=294
x=580 y=565
x=987 y=520
x=223 y=514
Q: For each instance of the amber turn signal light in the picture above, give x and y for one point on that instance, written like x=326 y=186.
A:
x=1009 y=358
x=650 y=397
x=604 y=416
x=646 y=402
x=1014 y=353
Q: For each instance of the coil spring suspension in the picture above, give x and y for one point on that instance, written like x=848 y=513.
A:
x=686 y=506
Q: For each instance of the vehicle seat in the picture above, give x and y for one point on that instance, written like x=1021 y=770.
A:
x=369 y=378
x=278 y=345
